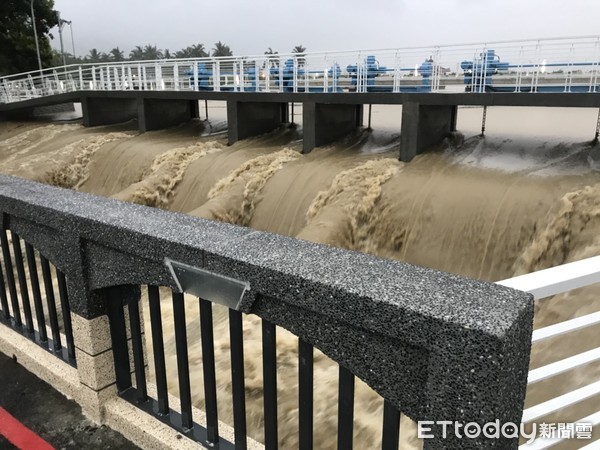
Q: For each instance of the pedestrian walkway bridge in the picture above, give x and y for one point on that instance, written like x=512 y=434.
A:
x=566 y=65
x=333 y=87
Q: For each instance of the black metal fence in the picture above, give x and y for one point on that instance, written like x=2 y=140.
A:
x=34 y=323
x=135 y=389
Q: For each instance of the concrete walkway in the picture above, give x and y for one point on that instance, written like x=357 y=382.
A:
x=49 y=414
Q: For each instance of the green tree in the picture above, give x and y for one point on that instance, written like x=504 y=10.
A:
x=58 y=61
x=152 y=52
x=193 y=51
x=117 y=54
x=221 y=50
x=137 y=54
x=17 y=41
x=167 y=54
x=94 y=56
x=299 y=51
x=273 y=59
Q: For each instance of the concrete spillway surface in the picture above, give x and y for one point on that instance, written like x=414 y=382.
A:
x=524 y=197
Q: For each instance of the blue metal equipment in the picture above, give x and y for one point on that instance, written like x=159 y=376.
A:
x=202 y=82
x=478 y=75
x=286 y=75
x=371 y=69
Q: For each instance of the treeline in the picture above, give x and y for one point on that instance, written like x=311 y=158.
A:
x=152 y=52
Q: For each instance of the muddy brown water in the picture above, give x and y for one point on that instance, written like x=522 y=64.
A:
x=523 y=198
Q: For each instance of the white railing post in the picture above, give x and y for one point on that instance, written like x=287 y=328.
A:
x=117 y=77
x=195 y=80
x=176 y=76
x=160 y=85
x=30 y=92
x=144 y=78
x=256 y=76
x=268 y=75
x=218 y=76
x=281 y=68
x=594 y=70
x=242 y=75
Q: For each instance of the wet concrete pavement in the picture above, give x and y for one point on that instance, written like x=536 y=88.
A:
x=49 y=414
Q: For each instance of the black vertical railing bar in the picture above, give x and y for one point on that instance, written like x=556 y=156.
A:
x=208 y=368
x=118 y=334
x=138 y=351
x=269 y=347
x=183 y=367
x=10 y=280
x=158 y=348
x=66 y=313
x=36 y=292
x=391 y=427
x=345 y=409
x=3 y=298
x=305 y=394
x=236 y=335
x=51 y=303
x=22 y=283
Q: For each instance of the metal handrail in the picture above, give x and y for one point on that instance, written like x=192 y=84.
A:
x=547 y=283
x=556 y=280
x=562 y=64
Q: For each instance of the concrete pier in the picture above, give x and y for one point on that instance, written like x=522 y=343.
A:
x=246 y=119
x=156 y=114
x=324 y=123
x=424 y=126
x=108 y=110
x=427 y=118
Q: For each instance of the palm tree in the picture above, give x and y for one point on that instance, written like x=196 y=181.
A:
x=167 y=54
x=221 y=50
x=137 y=54
x=299 y=51
x=117 y=54
x=194 y=51
x=272 y=59
x=152 y=52
x=198 y=51
x=94 y=55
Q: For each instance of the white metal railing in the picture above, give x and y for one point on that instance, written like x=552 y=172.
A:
x=543 y=65
x=546 y=283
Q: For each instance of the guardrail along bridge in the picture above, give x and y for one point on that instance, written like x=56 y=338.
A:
x=333 y=87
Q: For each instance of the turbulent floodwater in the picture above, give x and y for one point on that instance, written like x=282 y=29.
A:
x=525 y=197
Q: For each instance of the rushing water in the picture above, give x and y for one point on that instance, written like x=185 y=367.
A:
x=524 y=197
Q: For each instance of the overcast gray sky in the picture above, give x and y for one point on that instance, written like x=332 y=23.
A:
x=250 y=27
